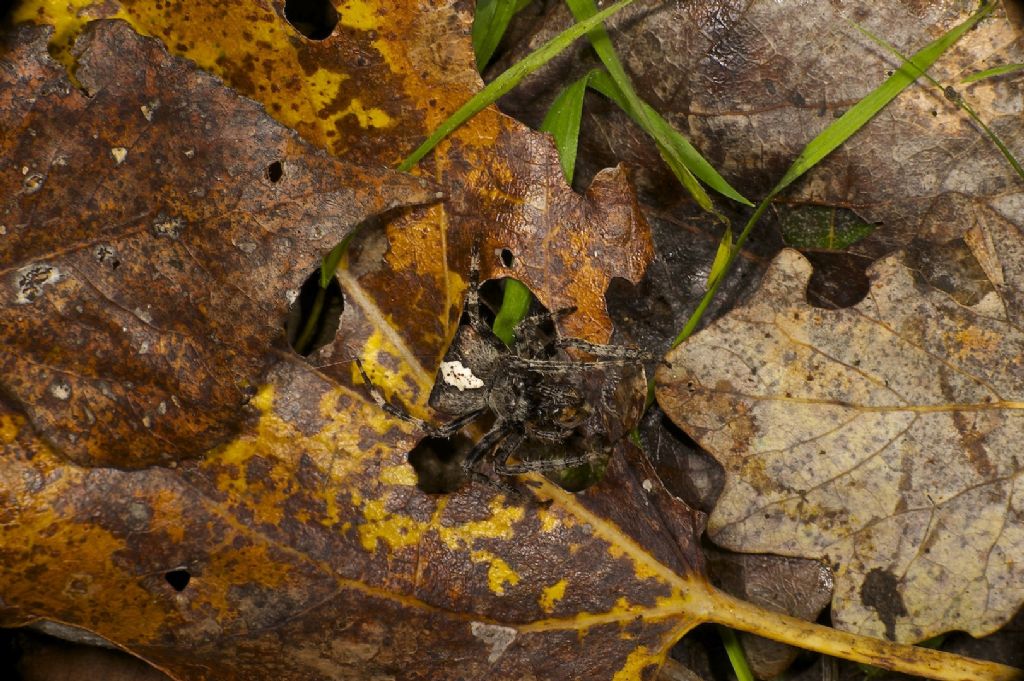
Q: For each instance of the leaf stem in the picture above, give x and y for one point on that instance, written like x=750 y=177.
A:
x=933 y=664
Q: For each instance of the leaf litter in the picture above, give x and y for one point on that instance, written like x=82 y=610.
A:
x=247 y=479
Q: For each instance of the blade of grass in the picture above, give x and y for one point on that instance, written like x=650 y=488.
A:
x=563 y=122
x=674 y=148
x=508 y=80
x=834 y=135
x=735 y=652
x=953 y=96
x=515 y=303
x=583 y=10
x=992 y=72
x=489 y=24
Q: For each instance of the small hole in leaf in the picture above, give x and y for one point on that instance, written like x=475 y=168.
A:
x=314 y=19
x=839 y=280
x=275 y=171
x=438 y=463
x=315 y=316
x=178 y=579
x=507 y=258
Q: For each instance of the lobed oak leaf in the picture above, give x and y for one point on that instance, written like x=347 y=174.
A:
x=882 y=438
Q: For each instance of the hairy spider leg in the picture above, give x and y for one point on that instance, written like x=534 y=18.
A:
x=492 y=437
x=444 y=430
x=512 y=444
x=605 y=351
x=472 y=294
x=558 y=365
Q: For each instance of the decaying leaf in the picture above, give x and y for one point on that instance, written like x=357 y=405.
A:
x=155 y=228
x=883 y=438
x=288 y=578
x=751 y=83
x=302 y=548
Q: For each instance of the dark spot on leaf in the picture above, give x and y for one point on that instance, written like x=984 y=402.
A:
x=314 y=19
x=178 y=579
x=880 y=591
x=275 y=171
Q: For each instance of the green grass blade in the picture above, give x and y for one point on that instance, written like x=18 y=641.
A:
x=515 y=303
x=853 y=120
x=489 y=24
x=736 y=655
x=563 y=122
x=992 y=72
x=637 y=108
x=671 y=144
x=954 y=96
x=508 y=80
x=834 y=135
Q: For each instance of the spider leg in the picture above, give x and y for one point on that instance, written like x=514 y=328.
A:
x=473 y=292
x=604 y=351
x=446 y=430
x=556 y=365
x=542 y=465
x=492 y=437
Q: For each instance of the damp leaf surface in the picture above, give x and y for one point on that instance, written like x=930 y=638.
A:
x=882 y=438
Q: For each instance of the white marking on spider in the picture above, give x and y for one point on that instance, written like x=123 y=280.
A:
x=497 y=637
x=459 y=376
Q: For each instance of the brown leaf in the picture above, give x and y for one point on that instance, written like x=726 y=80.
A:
x=290 y=579
x=147 y=253
x=750 y=84
x=881 y=438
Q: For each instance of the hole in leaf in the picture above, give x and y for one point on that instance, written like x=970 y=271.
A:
x=438 y=463
x=314 y=19
x=178 y=579
x=314 y=317
x=839 y=280
x=275 y=171
x=507 y=258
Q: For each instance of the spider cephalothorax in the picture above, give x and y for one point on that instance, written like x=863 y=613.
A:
x=551 y=411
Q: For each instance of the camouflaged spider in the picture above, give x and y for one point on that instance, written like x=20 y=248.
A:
x=551 y=410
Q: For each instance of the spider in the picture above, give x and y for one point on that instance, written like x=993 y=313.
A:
x=544 y=402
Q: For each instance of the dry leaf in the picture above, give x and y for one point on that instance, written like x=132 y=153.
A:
x=148 y=254
x=882 y=438
x=750 y=84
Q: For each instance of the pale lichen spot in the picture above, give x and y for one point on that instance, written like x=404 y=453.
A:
x=551 y=595
x=647 y=485
x=147 y=421
x=148 y=109
x=497 y=637
x=3 y=230
x=119 y=154
x=31 y=280
x=61 y=389
x=459 y=376
x=168 y=225
x=144 y=315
